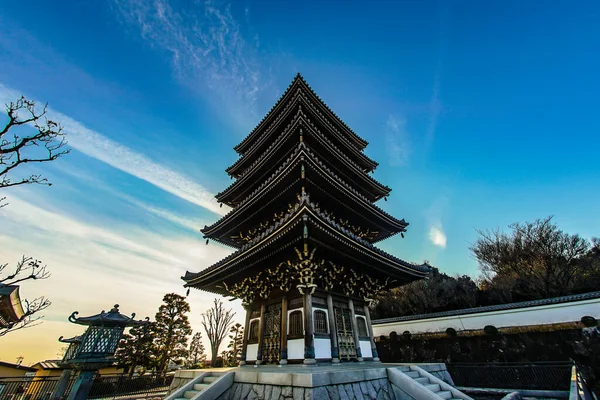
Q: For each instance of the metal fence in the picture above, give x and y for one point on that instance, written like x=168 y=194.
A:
x=524 y=376
x=103 y=387
x=136 y=387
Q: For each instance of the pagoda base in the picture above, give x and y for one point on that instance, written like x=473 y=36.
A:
x=367 y=380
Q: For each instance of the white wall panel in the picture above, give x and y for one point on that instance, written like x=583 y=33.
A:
x=296 y=349
x=536 y=315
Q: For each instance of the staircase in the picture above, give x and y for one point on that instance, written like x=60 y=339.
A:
x=428 y=384
x=202 y=384
x=421 y=385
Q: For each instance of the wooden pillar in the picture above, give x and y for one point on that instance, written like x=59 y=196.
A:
x=335 y=350
x=261 y=331
x=371 y=337
x=309 y=340
x=283 y=349
x=355 y=330
x=246 y=333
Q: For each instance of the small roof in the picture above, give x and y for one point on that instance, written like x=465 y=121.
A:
x=16 y=366
x=74 y=339
x=47 y=364
x=111 y=318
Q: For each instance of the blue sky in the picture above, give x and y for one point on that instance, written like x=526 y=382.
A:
x=480 y=114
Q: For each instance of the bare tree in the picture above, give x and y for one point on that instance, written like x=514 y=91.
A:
x=27 y=269
x=216 y=322
x=45 y=142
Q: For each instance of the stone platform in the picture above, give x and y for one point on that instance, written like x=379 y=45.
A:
x=322 y=381
x=366 y=380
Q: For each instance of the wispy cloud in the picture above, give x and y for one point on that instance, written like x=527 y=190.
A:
x=207 y=49
x=95 y=145
x=94 y=266
x=397 y=142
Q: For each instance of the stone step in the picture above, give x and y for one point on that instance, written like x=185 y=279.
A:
x=188 y=394
x=434 y=387
x=404 y=369
x=445 y=394
x=209 y=379
x=201 y=386
x=422 y=381
x=413 y=374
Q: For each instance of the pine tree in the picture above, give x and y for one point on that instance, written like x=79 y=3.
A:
x=197 y=355
x=136 y=348
x=232 y=356
x=172 y=329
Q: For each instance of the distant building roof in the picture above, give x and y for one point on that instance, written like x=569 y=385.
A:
x=11 y=310
x=16 y=366
x=499 y=307
x=47 y=364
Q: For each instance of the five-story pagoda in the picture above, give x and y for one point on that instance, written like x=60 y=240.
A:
x=304 y=223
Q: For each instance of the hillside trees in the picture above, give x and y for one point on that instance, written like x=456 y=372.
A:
x=534 y=260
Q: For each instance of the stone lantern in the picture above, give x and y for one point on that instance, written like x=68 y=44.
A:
x=96 y=347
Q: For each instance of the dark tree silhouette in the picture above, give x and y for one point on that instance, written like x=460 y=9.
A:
x=216 y=322
x=234 y=348
x=534 y=260
x=196 y=356
x=28 y=137
x=137 y=348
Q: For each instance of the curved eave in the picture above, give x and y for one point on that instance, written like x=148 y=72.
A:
x=297 y=81
x=288 y=221
x=295 y=158
x=295 y=104
x=369 y=183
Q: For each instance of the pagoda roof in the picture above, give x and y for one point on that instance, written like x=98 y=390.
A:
x=111 y=318
x=302 y=153
x=298 y=82
x=370 y=185
x=305 y=211
x=298 y=100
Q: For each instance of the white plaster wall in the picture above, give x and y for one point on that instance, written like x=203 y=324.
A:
x=323 y=348
x=365 y=349
x=538 y=315
x=252 y=352
x=295 y=349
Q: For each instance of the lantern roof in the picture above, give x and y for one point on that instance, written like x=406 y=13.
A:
x=74 y=339
x=112 y=318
